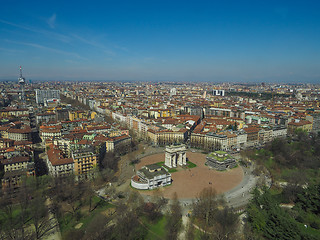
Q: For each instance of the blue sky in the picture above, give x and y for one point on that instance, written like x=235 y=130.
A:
x=237 y=41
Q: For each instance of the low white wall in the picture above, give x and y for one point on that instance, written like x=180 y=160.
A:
x=137 y=185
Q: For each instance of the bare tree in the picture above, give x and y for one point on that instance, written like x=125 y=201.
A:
x=135 y=202
x=190 y=231
x=128 y=225
x=99 y=228
x=8 y=222
x=40 y=217
x=226 y=224
x=73 y=234
x=24 y=195
x=15 y=213
x=206 y=206
x=174 y=222
x=110 y=161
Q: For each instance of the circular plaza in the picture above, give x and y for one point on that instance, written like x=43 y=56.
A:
x=189 y=182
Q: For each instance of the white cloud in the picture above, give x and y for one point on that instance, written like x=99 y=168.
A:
x=50 y=34
x=52 y=21
x=35 y=45
x=95 y=44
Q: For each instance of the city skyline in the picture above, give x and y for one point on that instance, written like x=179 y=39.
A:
x=208 y=41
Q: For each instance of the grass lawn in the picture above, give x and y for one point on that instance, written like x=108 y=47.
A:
x=221 y=152
x=220 y=159
x=68 y=221
x=101 y=206
x=155 y=230
x=170 y=170
x=160 y=164
x=191 y=164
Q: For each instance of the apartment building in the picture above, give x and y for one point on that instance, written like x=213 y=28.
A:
x=117 y=142
x=303 y=125
x=58 y=165
x=20 y=134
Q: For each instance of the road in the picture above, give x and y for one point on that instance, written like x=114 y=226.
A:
x=54 y=233
x=241 y=194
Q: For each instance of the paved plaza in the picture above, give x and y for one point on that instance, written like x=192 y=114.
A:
x=188 y=183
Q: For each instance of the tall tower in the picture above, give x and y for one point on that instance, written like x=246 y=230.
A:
x=22 y=82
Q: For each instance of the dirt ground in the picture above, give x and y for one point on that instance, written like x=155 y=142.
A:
x=188 y=183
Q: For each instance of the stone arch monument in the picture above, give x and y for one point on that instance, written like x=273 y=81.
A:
x=176 y=155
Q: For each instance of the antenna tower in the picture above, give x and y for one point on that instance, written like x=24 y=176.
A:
x=22 y=82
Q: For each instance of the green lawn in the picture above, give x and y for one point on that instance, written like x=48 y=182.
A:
x=101 y=206
x=191 y=164
x=68 y=221
x=160 y=164
x=221 y=152
x=170 y=170
x=156 y=230
x=220 y=159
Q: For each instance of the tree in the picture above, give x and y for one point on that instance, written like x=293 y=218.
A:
x=174 y=222
x=66 y=190
x=24 y=194
x=226 y=224
x=309 y=200
x=266 y=218
x=150 y=210
x=73 y=234
x=89 y=193
x=205 y=206
x=153 y=209
x=104 y=176
x=135 y=202
x=9 y=224
x=110 y=161
x=72 y=197
x=15 y=212
x=98 y=228
x=291 y=192
x=40 y=217
x=190 y=231
x=128 y=225
x=249 y=234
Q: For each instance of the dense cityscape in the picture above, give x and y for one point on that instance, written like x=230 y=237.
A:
x=89 y=141
x=176 y=120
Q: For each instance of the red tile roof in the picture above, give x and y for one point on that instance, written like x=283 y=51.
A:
x=13 y=160
x=56 y=158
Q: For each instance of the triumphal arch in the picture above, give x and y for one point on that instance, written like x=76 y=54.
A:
x=176 y=155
